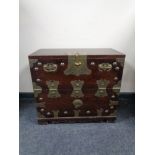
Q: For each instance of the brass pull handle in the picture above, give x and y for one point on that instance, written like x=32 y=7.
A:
x=50 y=67
x=105 y=67
x=77 y=60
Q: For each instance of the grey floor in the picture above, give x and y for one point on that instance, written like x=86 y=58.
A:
x=76 y=139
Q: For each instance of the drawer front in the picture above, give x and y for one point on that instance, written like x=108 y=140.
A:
x=77 y=107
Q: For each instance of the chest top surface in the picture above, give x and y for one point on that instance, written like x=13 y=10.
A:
x=84 y=51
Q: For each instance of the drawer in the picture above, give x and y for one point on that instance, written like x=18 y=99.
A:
x=48 y=111
x=67 y=103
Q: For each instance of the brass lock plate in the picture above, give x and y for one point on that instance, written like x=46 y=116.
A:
x=50 y=67
x=77 y=88
x=104 y=67
x=53 y=89
x=77 y=65
x=102 y=85
x=37 y=89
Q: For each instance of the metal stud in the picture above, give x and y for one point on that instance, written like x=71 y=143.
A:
x=39 y=63
x=112 y=107
x=48 y=113
x=62 y=63
x=40 y=98
x=36 y=68
x=106 y=111
x=88 y=112
x=65 y=112
x=114 y=63
x=116 y=68
x=92 y=63
x=113 y=96
x=38 y=80
x=42 y=109
x=116 y=78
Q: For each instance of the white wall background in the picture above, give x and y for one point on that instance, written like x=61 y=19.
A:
x=77 y=24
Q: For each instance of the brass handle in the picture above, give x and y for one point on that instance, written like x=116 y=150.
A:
x=105 y=66
x=50 y=67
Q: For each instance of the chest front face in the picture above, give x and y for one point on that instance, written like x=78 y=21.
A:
x=76 y=87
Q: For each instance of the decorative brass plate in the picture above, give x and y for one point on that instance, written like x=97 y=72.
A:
x=37 y=89
x=77 y=88
x=77 y=65
x=77 y=103
x=32 y=61
x=102 y=84
x=116 y=88
x=50 y=67
x=105 y=67
x=53 y=89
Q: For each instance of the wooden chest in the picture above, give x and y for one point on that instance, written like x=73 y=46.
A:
x=76 y=85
